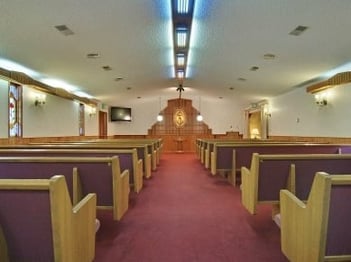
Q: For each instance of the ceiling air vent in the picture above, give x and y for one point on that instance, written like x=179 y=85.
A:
x=93 y=55
x=298 y=30
x=63 y=29
x=107 y=68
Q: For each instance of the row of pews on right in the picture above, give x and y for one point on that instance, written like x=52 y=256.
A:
x=309 y=193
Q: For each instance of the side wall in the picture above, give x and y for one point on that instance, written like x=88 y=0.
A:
x=297 y=114
x=58 y=117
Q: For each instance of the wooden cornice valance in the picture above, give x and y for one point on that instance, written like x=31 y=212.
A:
x=338 y=79
x=23 y=79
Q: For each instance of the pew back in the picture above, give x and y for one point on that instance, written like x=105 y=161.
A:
x=38 y=222
x=128 y=158
x=269 y=174
x=84 y=175
x=230 y=157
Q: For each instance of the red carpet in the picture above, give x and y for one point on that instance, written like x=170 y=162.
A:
x=184 y=214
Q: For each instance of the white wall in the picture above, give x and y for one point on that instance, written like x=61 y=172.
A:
x=3 y=108
x=143 y=117
x=221 y=115
x=91 y=122
x=296 y=114
x=293 y=114
x=58 y=117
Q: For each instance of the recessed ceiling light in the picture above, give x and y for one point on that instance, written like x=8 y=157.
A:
x=93 y=55
x=254 y=68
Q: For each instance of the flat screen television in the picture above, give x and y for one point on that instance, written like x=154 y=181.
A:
x=118 y=113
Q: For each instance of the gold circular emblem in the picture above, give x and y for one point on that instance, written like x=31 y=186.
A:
x=179 y=118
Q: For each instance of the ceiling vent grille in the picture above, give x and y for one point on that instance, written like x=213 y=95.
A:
x=63 y=29
x=298 y=30
x=107 y=68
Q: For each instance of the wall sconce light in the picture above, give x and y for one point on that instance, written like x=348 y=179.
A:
x=92 y=111
x=321 y=99
x=40 y=99
x=267 y=111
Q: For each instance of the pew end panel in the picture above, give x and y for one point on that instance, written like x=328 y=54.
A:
x=318 y=230
x=63 y=232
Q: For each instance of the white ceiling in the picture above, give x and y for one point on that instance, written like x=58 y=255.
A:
x=133 y=38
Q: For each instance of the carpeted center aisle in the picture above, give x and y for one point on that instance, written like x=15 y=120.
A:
x=185 y=214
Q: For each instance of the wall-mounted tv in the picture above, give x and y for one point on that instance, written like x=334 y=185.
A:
x=118 y=113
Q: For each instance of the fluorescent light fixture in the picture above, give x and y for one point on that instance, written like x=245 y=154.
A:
x=182 y=6
x=180 y=59
x=181 y=36
x=180 y=74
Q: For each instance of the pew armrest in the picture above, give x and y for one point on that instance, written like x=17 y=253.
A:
x=292 y=224
x=213 y=163
x=248 y=190
x=148 y=166
x=139 y=176
x=121 y=196
x=84 y=216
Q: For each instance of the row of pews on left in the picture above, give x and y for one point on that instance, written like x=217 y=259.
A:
x=49 y=194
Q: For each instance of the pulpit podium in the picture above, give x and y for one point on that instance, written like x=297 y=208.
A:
x=179 y=144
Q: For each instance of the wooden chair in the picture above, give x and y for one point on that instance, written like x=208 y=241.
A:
x=320 y=229
x=38 y=222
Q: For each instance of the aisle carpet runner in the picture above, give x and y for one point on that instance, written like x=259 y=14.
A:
x=185 y=214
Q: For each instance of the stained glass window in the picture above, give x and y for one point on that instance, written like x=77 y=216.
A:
x=15 y=110
x=81 y=120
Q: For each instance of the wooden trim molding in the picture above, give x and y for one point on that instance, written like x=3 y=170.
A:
x=23 y=79
x=338 y=79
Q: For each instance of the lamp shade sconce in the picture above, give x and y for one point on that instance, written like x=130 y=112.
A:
x=160 y=117
x=255 y=133
x=199 y=117
x=92 y=111
x=267 y=111
x=321 y=99
x=40 y=99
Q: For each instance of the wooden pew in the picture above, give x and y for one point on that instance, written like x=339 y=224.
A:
x=228 y=158
x=318 y=230
x=145 y=150
x=38 y=222
x=84 y=175
x=269 y=174
x=128 y=157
